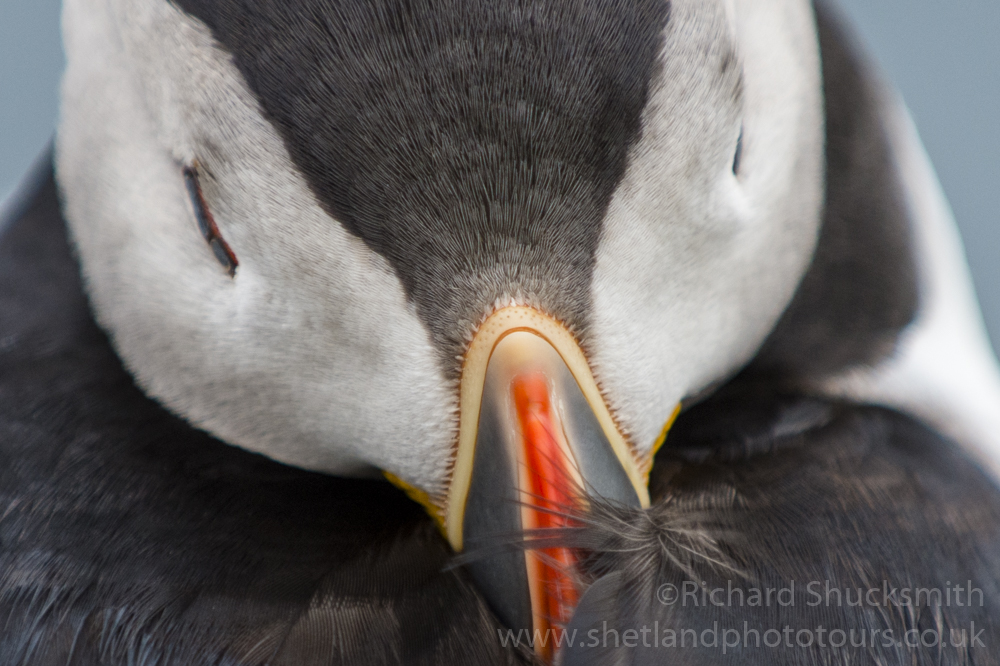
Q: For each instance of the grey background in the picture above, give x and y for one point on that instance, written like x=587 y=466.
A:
x=943 y=56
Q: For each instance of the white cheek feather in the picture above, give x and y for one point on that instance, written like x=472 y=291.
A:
x=312 y=355
x=695 y=267
x=944 y=370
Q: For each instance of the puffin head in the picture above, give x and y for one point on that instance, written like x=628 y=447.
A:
x=485 y=248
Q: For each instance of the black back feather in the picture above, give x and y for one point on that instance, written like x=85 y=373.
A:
x=827 y=496
x=861 y=289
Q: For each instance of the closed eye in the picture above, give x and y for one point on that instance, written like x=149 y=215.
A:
x=738 y=157
x=206 y=223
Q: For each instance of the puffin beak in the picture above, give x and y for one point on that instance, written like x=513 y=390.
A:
x=536 y=441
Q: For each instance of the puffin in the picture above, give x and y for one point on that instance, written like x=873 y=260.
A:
x=489 y=332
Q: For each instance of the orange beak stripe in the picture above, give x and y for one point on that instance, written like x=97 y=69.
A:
x=552 y=481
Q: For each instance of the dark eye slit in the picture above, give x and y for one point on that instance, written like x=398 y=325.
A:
x=739 y=154
x=206 y=223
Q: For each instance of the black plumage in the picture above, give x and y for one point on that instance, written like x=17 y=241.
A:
x=820 y=502
x=861 y=289
x=128 y=537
